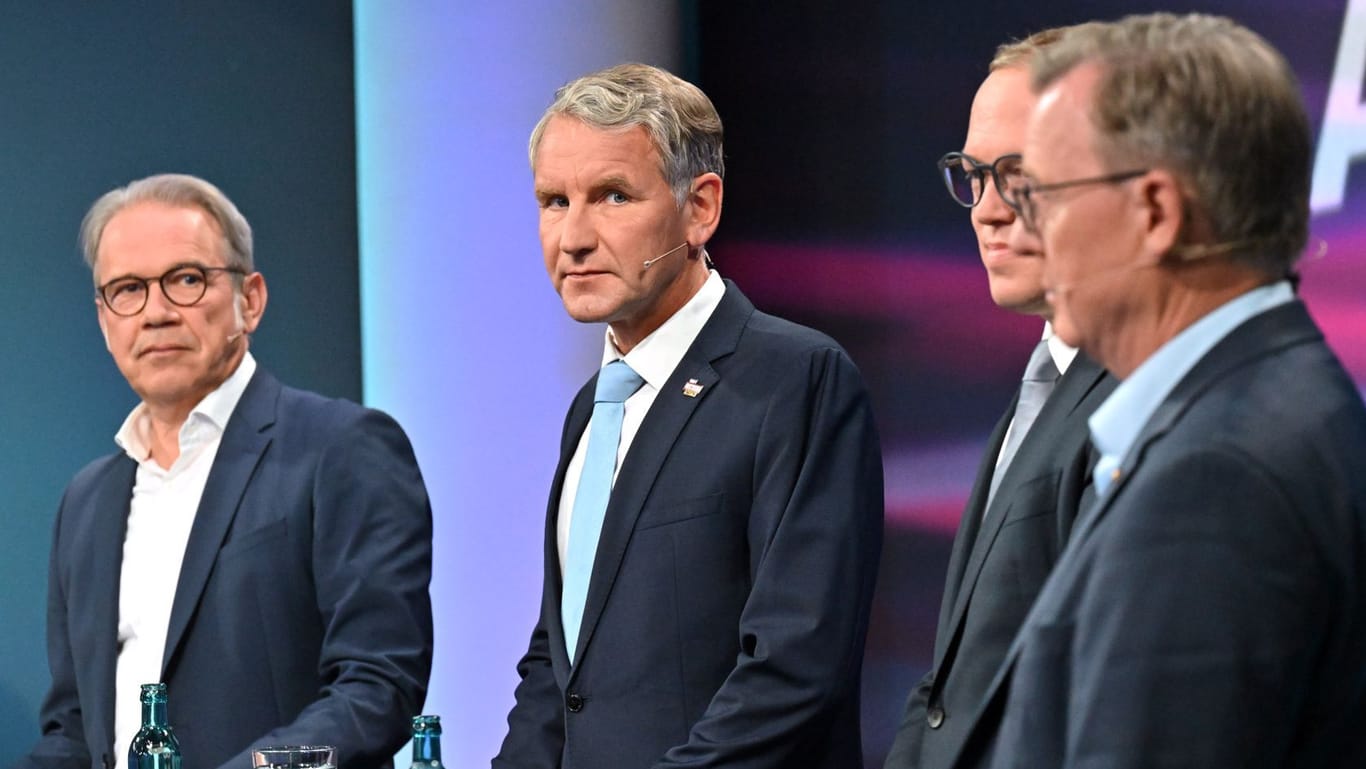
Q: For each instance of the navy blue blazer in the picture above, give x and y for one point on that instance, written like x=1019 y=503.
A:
x=1210 y=609
x=301 y=614
x=729 y=601
x=999 y=563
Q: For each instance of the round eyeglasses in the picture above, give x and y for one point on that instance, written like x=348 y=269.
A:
x=183 y=285
x=966 y=177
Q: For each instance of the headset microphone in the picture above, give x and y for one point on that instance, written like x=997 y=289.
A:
x=1183 y=254
x=1063 y=290
x=648 y=262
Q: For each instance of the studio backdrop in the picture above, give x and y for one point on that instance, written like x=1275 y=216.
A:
x=380 y=153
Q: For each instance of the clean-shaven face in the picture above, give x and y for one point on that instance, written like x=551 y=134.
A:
x=1012 y=256
x=171 y=356
x=605 y=208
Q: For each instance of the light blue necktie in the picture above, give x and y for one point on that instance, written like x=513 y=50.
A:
x=616 y=383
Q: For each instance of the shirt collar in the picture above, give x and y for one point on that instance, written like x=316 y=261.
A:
x=212 y=412
x=656 y=356
x=1116 y=424
x=1063 y=354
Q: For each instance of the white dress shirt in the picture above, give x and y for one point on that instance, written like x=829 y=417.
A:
x=160 y=515
x=654 y=359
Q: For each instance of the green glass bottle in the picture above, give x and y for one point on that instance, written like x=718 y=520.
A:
x=155 y=745
x=426 y=742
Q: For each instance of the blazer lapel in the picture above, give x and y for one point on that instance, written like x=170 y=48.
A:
x=650 y=449
x=1277 y=328
x=1158 y=425
x=969 y=530
x=100 y=614
x=243 y=444
x=577 y=421
x=1259 y=336
x=1081 y=378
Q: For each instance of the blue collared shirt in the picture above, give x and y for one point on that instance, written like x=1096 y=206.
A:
x=1118 y=421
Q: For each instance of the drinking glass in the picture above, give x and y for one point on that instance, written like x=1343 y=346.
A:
x=295 y=757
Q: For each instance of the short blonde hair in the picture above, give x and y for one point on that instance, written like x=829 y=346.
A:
x=1018 y=53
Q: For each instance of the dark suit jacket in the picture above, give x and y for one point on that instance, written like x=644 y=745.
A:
x=729 y=601
x=1210 y=609
x=999 y=564
x=301 y=614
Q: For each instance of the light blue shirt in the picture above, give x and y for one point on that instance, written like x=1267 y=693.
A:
x=1118 y=421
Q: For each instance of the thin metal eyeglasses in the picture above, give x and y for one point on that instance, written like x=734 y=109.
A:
x=966 y=177
x=1023 y=197
x=183 y=285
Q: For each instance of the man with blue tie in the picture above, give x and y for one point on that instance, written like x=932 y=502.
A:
x=715 y=522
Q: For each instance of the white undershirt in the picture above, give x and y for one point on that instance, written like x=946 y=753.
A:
x=160 y=514
x=654 y=358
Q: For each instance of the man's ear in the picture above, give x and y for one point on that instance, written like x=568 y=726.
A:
x=253 y=298
x=703 y=208
x=1162 y=208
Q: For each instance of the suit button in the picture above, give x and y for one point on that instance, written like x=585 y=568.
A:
x=935 y=718
x=574 y=702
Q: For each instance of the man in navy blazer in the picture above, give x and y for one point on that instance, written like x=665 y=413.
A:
x=1010 y=537
x=1210 y=608
x=263 y=551
x=725 y=617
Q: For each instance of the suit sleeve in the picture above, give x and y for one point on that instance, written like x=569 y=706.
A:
x=815 y=537
x=63 y=744
x=905 y=750
x=1205 y=608
x=535 y=737
x=372 y=562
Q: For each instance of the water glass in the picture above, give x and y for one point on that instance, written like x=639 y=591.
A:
x=295 y=757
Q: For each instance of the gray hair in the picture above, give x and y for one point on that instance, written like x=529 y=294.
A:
x=179 y=190
x=680 y=119
x=1215 y=104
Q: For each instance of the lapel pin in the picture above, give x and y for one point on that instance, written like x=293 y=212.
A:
x=692 y=388
x=1114 y=475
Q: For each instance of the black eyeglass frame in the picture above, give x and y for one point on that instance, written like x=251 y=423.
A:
x=103 y=292
x=1025 y=204
x=953 y=161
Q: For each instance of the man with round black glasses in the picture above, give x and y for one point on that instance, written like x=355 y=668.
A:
x=1034 y=476
x=263 y=551
x=1210 y=607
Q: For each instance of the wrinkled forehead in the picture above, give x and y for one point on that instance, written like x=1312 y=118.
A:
x=152 y=235
x=573 y=149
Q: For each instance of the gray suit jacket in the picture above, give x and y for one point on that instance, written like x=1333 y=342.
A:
x=999 y=564
x=1210 y=609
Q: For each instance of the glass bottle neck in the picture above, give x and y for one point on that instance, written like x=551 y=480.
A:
x=154 y=713
x=426 y=748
